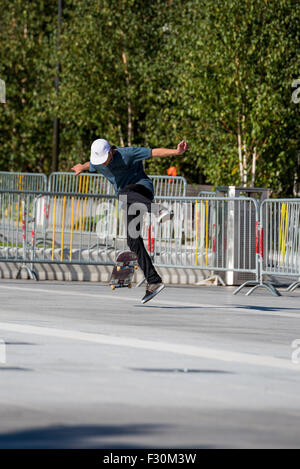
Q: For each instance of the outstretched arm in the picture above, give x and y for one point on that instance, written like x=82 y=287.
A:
x=79 y=168
x=182 y=147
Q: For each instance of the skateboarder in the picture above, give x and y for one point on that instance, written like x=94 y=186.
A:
x=123 y=167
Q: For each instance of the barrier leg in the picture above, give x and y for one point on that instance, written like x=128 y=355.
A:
x=32 y=274
x=294 y=285
x=245 y=284
x=268 y=286
x=257 y=284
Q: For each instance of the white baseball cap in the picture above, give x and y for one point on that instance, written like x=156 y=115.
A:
x=99 y=151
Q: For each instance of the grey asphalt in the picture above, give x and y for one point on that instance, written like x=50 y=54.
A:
x=194 y=368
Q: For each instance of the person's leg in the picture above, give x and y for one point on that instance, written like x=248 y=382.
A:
x=136 y=245
x=135 y=242
x=139 y=194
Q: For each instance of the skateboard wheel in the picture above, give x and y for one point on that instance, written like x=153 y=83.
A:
x=130 y=286
x=112 y=287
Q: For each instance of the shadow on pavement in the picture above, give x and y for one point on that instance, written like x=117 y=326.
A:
x=167 y=307
x=14 y=368
x=251 y=307
x=78 y=436
x=181 y=370
x=19 y=343
x=266 y=308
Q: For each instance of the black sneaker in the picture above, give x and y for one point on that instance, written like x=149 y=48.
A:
x=152 y=290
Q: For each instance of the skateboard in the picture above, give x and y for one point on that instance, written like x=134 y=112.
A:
x=122 y=274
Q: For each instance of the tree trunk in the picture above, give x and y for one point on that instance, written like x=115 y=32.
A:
x=245 y=172
x=240 y=131
x=296 y=188
x=253 y=171
x=129 y=108
x=121 y=136
x=240 y=151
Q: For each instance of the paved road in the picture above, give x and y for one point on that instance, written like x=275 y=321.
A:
x=196 y=367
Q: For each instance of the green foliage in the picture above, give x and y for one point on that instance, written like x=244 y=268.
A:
x=26 y=49
x=234 y=61
x=150 y=73
x=106 y=50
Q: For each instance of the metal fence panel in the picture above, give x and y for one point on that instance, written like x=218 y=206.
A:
x=81 y=228
x=64 y=228
x=170 y=186
x=98 y=184
x=279 y=243
x=23 y=181
x=86 y=183
x=281 y=237
x=197 y=237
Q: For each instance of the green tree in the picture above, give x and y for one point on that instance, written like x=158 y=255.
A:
x=217 y=73
x=234 y=64
x=26 y=66
x=106 y=49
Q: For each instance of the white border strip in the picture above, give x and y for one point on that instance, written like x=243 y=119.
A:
x=190 y=350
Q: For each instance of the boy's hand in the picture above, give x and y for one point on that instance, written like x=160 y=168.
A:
x=78 y=168
x=182 y=147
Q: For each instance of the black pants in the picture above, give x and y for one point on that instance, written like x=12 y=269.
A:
x=137 y=193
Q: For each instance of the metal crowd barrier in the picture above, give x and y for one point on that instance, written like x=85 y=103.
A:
x=85 y=183
x=88 y=183
x=207 y=194
x=279 y=243
x=170 y=186
x=197 y=237
x=89 y=228
x=281 y=237
x=16 y=240
x=70 y=228
x=23 y=181
x=60 y=229
x=98 y=184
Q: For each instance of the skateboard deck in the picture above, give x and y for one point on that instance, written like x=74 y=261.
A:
x=123 y=271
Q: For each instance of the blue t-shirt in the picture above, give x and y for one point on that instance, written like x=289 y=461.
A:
x=126 y=167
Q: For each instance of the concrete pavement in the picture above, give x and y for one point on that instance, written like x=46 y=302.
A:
x=196 y=367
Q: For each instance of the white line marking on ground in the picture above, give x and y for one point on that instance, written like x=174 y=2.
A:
x=230 y=308
x=182 y=349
